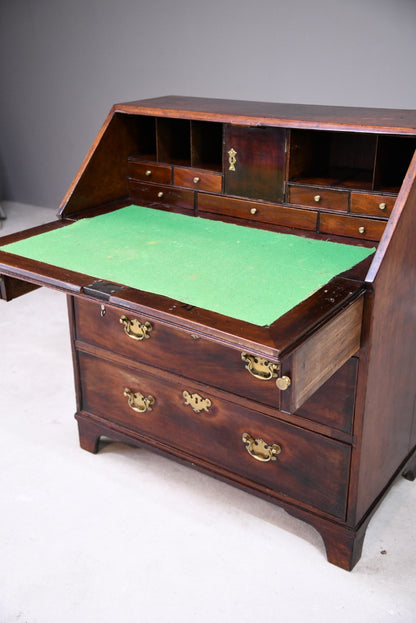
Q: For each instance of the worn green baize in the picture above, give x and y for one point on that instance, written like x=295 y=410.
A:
x=245 y=273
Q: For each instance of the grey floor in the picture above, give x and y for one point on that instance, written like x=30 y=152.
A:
x=127 y=536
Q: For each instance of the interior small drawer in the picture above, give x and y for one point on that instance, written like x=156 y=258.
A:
x=197 y=179
x=176 y=350
x=322 y=198
x=193 y=419
x=149 y=171
x=352 y=226
x=159 y=196
x=282 y=216
x=373 y=205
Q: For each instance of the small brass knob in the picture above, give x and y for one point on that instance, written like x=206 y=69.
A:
x=283 y=382
x=148 y=173
x=196 y=180
x=317 y=198
x=361 y=230
x=382 y=206
x=253 y=211
x=160 y=195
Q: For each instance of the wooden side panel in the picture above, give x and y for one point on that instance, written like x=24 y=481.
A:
x=102 y=177
x=389 y=390
x=317 y=359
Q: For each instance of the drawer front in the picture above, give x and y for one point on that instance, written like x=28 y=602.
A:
x=321 y=198
x=352 y=226
x=176 y=350
x=256 y=211
x=373 y=205
x=159 y=196
x=305 y=466
x=150 y=172
x=197 y=179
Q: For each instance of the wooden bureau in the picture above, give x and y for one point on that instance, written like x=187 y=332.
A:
x=313 y=409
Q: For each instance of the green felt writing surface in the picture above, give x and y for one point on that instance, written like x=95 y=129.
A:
x=245 y=273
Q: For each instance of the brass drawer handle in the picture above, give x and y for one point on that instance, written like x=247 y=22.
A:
x=135 y=329
x=260 y=368
x=197 y=402
x=138 y=402
x=259 y=449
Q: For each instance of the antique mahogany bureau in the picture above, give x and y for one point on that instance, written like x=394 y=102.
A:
x=313 y=406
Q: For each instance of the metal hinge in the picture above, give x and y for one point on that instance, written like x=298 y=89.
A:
x=102 y=290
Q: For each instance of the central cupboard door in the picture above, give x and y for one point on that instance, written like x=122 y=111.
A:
x=255 y=162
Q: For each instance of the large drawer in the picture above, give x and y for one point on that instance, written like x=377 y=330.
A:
x=288 y=460
x=285 y=383
x=170 y=348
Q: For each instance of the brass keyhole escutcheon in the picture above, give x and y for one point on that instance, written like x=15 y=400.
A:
x=197 y=402
x=232 y=160
x=135 y=329
x=138 y=402
x=260 y=368
x=259 y=449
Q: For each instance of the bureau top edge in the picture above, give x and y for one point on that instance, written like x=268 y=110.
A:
x=306 y=116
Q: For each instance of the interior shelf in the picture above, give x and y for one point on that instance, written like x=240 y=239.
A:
x=367 y=162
